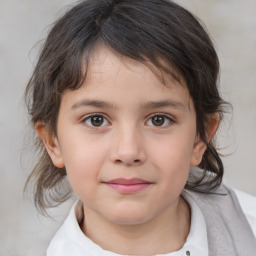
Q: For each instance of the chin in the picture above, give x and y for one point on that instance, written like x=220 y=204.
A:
x=129 y=217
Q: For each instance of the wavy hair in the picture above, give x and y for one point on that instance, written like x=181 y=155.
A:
x=158 y=32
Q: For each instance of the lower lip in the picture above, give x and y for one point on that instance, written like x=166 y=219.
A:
x=128 y=188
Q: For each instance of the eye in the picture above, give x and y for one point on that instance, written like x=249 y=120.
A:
x=96 y=120
x=159 y=120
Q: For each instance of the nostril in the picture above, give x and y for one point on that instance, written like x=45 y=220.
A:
x=121 y=161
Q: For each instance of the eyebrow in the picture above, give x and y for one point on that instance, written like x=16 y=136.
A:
x=147 y=105
x=164 y=103
x=93 y=103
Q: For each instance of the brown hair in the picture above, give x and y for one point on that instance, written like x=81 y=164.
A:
x=158 y=31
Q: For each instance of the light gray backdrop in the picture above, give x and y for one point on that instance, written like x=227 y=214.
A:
x=232 y=25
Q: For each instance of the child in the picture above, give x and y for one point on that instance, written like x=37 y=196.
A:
x=125 y=103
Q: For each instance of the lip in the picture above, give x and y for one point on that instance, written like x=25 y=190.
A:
x=127 y=186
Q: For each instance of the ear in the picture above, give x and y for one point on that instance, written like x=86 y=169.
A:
x=199 y=146
x=51 y=144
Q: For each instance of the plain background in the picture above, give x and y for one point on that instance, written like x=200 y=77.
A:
x=23 y=23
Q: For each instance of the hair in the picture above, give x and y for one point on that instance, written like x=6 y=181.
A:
x=158 y=33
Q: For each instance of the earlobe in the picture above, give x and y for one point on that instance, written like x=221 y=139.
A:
x=51 y=144
x=200 y=146
x=198 y=152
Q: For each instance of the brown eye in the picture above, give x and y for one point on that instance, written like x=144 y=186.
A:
x=159 y=121
x=96 y=121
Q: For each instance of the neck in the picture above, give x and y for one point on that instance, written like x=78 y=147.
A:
x=165 y=233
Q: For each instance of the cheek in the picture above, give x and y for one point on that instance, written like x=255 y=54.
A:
x=171 y=157
x=83 y=162
x=173 y=153
x=81 y=151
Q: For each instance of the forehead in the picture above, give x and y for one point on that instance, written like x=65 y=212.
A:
x=116 y=78
x=103 y=57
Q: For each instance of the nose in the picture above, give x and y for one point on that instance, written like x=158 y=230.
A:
x=128 y=148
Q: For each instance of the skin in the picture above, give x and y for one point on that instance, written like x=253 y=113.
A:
x=128 y=143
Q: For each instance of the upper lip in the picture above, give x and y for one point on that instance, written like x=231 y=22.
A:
x=128 y=181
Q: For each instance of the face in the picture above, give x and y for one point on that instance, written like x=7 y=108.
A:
x=127 y=141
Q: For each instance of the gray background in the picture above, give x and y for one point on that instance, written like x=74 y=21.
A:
x=23 y=23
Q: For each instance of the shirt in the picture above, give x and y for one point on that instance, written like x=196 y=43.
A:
x=70 y=240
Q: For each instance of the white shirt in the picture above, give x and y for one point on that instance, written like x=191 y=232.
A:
x=70 y=240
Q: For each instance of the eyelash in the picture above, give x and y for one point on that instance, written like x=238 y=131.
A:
x=91 y=126
x=90 y=116
x=166 y=118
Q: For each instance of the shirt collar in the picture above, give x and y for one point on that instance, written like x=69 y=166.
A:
x=73 y=239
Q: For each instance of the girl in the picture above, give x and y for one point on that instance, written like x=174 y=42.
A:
x=125 y=104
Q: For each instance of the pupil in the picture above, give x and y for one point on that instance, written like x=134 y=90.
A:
x=97 y=120
x=158 y=120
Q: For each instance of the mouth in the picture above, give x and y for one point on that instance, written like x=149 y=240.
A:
x=127 y=186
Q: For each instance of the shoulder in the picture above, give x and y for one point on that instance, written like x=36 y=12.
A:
x=229 y=204
x=248 y=205
x=69 y=238
x=226 y=219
